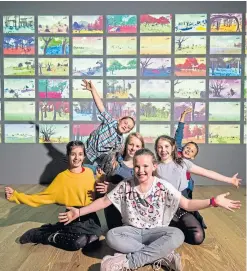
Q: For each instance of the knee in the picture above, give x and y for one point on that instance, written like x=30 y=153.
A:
x=198 y=238
x=111 y=238
x=79 y=242
x=178 y=237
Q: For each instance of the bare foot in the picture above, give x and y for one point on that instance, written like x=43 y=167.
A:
x=8 y=192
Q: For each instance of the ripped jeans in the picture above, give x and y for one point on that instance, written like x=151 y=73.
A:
x=144 y=246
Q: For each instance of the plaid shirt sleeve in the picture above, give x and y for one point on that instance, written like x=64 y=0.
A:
x=105 y=117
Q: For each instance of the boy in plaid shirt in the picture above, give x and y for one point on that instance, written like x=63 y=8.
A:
x=109 y=135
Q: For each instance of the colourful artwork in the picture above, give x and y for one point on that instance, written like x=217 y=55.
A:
x=155 y=89
x=121 y=67
x=87 y=67
x=190 y=66
x=193 y=132
x=19 y=66
x=53 y=88
x=19 y=133
x=85 y=111
x=155 y=67
x=121 y=89
x=158 y=23
x=19 y=88
x=224 y=111
x=53 y=24
x=82 y=131
x=121 y=45
x=198 y=111
x=190 y=88
x=19 y=111
x=18 y=45
x=87 y=24
x=121 y=109
x=225 y=88
x=185 y=45
x=190 y=22
x=226 y=22
x=53 y=45
x=79 y=92
x=121 y=23
x=227 y=66
x=54 y=111
x=53 y=133
x=151 y=45
x=53 y=66
x=225 y=44
x=18 y=24
x=224 y=134
x=155 y=111
x=87 y=46
x=150 y=132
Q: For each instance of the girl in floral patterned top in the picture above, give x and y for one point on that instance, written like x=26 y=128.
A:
x=147 y=205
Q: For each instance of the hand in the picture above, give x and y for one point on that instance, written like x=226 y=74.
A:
x=69 y=216
x=102 y=187
x=235 y=181
x=228 y=204
x=91 y=195
x=187 y=111
x=88 y=85
x=8 y=192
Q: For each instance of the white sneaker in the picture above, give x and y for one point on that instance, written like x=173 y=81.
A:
x=173 y=262
x=115 y=263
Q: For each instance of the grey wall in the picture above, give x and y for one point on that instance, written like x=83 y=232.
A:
x=38 y=163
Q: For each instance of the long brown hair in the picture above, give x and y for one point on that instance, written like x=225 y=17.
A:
x=172 y=142
x=137 y=135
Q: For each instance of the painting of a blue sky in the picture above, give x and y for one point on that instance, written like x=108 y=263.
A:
x=19 y=133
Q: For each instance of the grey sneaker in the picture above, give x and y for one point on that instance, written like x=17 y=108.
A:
x=173 y=262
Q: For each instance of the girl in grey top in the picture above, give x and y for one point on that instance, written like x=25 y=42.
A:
x=173 y=169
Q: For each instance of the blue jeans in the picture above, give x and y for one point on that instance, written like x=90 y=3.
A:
x=144 y=246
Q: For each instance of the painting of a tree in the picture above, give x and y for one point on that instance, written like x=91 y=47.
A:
x=47 y=131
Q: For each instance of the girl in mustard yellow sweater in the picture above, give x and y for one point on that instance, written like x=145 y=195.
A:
x=72 y=187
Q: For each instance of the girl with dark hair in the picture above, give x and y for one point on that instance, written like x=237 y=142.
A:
x=71 y=187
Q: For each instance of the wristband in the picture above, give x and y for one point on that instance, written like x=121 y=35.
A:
x=213 y=202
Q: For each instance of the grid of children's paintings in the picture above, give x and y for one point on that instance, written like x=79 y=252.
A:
x=150 y=67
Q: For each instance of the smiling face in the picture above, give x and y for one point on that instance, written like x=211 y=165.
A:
x=144 y=167
x=76 y=157
x=132 y=145
x=164 y=150
x=189 y=151
x=125 y=125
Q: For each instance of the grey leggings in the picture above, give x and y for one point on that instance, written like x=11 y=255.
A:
x=144 y=246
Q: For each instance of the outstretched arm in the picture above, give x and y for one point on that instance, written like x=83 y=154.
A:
x=74 y=213
x=220 y=200
x=89 y=86
x=179 y=134
x=214 y=175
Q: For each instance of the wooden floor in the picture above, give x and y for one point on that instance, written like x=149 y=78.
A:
x=224 y=248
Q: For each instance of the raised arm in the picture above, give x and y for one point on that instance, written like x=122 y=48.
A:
x=179 y=134
x=215 y=176
x=74 y=213
x=220 y=200
x=89 y=86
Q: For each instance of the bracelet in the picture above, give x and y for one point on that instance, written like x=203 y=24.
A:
x=213 y=202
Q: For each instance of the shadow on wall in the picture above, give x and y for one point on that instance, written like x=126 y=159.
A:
x=58 y=163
